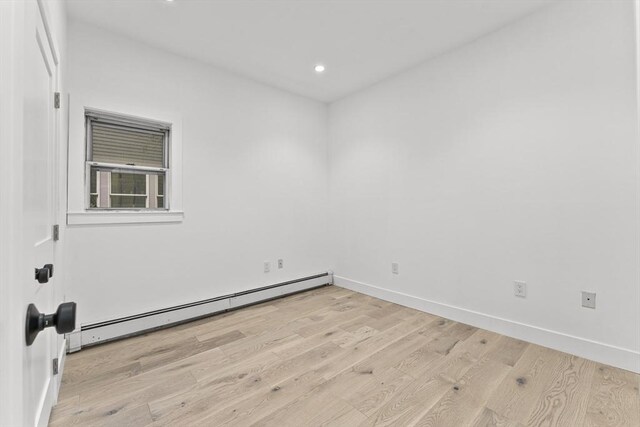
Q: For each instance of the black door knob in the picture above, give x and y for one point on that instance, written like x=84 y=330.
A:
x=43 y=274
x=64 y=319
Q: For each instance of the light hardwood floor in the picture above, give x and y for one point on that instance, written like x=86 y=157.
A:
x=334 y=357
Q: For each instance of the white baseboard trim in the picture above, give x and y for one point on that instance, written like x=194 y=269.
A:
x=592 y=350
x=96 y=333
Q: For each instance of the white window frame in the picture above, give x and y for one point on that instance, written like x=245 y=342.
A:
x=116 y=120
x=79 y=212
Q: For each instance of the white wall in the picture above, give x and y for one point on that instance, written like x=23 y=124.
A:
x=512 y=158
x=254 y=183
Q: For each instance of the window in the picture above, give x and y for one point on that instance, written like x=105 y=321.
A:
x=127 y=162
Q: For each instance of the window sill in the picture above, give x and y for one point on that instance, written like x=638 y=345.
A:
x=123 y=217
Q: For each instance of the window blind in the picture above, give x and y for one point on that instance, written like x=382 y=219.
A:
x=127 y=146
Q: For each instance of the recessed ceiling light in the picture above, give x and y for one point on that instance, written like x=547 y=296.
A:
x=319 y=68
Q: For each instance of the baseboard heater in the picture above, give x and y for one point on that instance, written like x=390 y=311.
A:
x=101 y=332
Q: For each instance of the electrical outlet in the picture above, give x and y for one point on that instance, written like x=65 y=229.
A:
x=520 y=289
x=395 y=268
x=267 y=266
x=589 y=299
x=281 y=263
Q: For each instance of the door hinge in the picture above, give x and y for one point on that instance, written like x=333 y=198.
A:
x=56 y=233
x=56 y=100
x=55 y=366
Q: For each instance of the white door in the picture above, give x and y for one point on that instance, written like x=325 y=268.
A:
x=28 y=164
x=38 y=181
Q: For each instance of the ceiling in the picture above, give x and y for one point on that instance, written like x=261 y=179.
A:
x=279 y=42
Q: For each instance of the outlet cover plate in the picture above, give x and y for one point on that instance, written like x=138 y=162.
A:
x=280 y=263
x=395 y=268
x=589 y=299
x=520 y=289
x=267 y=267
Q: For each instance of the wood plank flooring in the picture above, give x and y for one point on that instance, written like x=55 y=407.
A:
x=335 y=357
